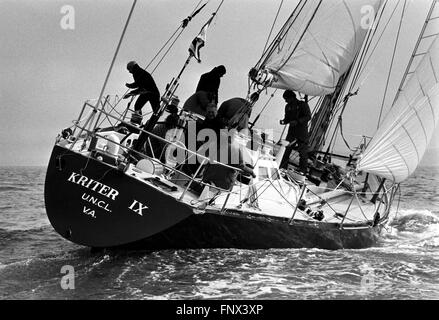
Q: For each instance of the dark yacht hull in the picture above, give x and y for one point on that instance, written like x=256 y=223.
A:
x=94 y=204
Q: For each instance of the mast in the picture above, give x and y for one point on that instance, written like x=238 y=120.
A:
x=322 y=118
x=326 y=108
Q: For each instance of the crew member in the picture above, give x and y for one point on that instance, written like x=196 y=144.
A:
x=198 y=102
x=160 y=130
x=297 y=115
x=210 y=81
x=212 y=120
x=236 y=112
x=143 y=85
x=222 y=176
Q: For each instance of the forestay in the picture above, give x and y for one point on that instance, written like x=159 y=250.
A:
x=318 y=44
x=401 y=141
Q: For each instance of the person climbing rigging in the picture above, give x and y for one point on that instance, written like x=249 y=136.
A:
x=144 y=86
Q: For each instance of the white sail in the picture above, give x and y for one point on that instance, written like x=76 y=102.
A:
x=320 y=44
x=400 y=143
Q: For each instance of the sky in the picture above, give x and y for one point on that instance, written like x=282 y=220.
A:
x=47 y=71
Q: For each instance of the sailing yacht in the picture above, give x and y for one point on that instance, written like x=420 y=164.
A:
x=102 y=192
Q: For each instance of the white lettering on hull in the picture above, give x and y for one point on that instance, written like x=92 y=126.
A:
x=89 y=183
x=89 y=212
x=104 y=190
x=138 y=207
x=95 y=201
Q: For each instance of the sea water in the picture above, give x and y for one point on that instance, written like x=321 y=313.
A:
x=33 y=258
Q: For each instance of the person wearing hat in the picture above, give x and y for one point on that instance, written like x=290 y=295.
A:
x=297 y=115
x=210 y=81
x=143 y=85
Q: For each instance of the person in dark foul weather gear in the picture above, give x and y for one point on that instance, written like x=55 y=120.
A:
x=210 y=81
x=198 y=102
x=236 y=112
x=297 y=115
x=212 y=121
x=144 y=86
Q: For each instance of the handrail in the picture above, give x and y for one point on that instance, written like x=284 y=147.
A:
x=167 y=141
x=100 y=107
x=192 y=180
x=157 y=161
x=297 y=204
x=346 y=213
x=79 y=117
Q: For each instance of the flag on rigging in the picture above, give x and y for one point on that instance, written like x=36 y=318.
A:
x=199 y=40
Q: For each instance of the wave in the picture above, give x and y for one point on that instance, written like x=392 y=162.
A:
x=19 y=234
x=12 y=188
x=6 y=207
x=414 y=228
x=414 y=220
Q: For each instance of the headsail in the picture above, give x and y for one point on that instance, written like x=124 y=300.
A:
x=318 y=44
x=401 y=141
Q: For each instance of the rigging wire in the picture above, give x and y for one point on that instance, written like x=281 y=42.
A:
x=302 y=35
x=167 y=51
x=267 y=52
x=391 y=64
x=217 y=9
x=415 y=51
x=272 y=26
x=182 y=25
x=282 y=31
x=328 y=114
x=370 y=36
x=171 y=88
x=398 y=189
x=379 y=38
x=262 y=110
x=359 y=67
x=181 y=31
x=358 y=64
x=95 y=109
x=161 y=49
x=116 y=52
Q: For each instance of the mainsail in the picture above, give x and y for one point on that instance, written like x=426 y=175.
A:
x=318 y=44
x=401 y=141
